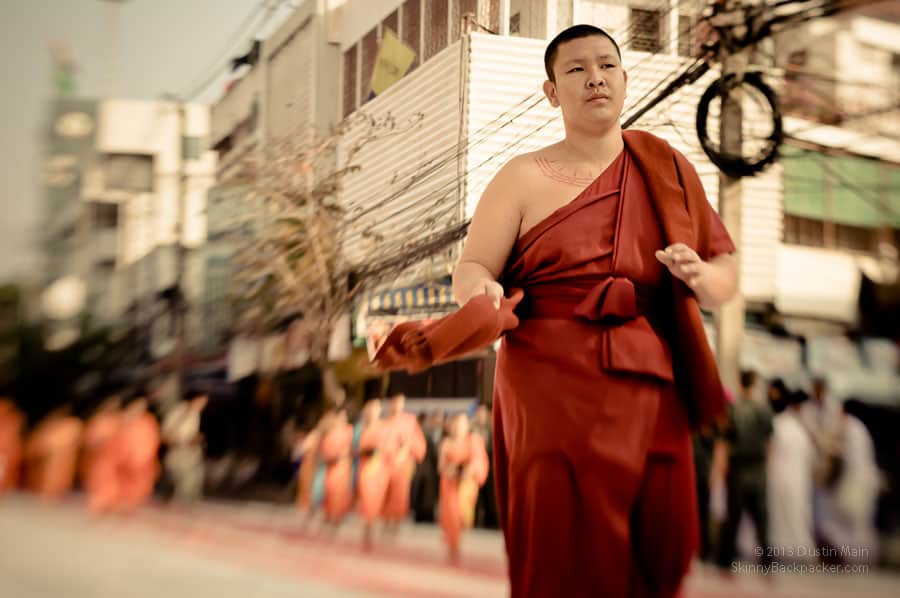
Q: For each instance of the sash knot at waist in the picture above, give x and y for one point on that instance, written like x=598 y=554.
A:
x=610 y=300
x=627 y=315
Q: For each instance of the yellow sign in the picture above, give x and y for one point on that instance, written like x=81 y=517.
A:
x=393 y=61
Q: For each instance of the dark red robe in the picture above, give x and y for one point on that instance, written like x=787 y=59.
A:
x=592 y=451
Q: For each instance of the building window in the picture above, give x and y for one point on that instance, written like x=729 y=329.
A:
x=646 y=30
x=350 y=80
x=392 y=22
x=106 y=215
x=412 y=27
x=106 y=266
x=490 y=14
x=855 y=238
x=128 y=172
x=685 y=35
x=804 y=231
x=192 y=147
x=515 y=24
x=797 y=58
x=461 y=8
x=436 y=16
x=369 y=47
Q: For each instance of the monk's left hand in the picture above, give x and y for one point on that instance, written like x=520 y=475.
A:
x=684 y=263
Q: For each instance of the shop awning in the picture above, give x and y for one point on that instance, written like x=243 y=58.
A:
x=415 y=298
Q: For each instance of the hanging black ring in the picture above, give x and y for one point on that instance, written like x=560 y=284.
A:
x=738 y=165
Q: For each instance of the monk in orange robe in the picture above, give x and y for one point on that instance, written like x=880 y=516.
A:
x=463 y=464
x=310 y=478
x=11 y=423
x=137 y=445
x=100 y=457
x=607 y=245
x=372 y=478
x=51 y=455
x=404 y=447
x=335 y=452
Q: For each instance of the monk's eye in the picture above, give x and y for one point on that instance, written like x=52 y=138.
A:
x=609 y=66
x=577 y=68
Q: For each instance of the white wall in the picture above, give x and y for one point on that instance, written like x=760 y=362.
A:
x=235 y=105
x=289 y=82
x=818 y=283
x=430 y=95
x=354 y=18
x=148 y=220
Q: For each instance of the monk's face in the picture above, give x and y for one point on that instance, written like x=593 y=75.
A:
x=590 y=83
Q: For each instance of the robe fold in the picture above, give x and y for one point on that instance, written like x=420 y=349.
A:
x=597 y=384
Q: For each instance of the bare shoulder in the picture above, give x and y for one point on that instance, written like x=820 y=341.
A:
x=520 y=172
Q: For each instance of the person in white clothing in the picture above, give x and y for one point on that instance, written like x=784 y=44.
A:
x=791 y=462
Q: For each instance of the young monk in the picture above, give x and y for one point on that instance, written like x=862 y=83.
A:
x=100 y=457
x=607 y=245
x=335 y=452
x=463 y=464
x=404 y=447
x=138 y=446
x=51 y=454
x=11 y=423
x=372 y=479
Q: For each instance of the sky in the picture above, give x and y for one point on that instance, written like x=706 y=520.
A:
x=162 y=46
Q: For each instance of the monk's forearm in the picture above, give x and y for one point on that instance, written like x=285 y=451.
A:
x=719 y=282
x=469 y=279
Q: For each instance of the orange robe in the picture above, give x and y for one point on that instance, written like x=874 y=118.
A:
x=405 y=446
x=372 y=480
x=597 y=382
x=335 y=451
x=100 y=461
x=459 y=495
x=52 y=456
x=10 y=446
x=138 y=466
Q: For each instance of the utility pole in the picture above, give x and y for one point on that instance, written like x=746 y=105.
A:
x=729 y=318
x=178 y=300
x=504 y=17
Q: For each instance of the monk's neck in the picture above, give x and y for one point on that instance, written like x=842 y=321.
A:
x=591 y=148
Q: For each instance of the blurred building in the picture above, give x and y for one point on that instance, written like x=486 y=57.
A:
x=284 y=86
x=837 y=266
x=126 y=184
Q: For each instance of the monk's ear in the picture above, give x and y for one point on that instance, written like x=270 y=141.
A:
x=550 y=92
x=625 y=75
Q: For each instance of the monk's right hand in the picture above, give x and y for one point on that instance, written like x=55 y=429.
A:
x=494 y=290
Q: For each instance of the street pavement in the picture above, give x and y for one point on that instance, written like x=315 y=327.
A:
x=254 y=550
